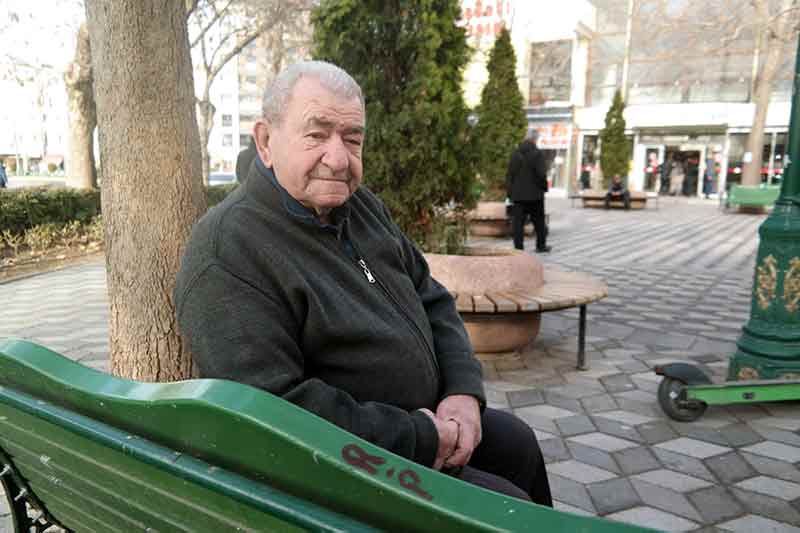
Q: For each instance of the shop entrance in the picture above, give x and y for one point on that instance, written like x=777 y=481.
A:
x=676 y=161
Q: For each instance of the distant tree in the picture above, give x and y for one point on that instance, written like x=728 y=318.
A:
x=220 y=30
x=81 y=170
x=614 y=147
x=151 y=192
x=409 y=57
x=501 y=117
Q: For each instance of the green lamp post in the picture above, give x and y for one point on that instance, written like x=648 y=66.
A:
x=769 y=346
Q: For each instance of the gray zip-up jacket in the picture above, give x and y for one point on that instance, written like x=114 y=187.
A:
x=343 y=320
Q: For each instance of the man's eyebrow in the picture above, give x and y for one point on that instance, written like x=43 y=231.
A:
x=322 y=122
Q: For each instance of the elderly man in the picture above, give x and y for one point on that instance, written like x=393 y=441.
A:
x=300 y=283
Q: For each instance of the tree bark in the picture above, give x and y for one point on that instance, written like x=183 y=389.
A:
x=151 y=190
x=82 y=116
x=773 y=41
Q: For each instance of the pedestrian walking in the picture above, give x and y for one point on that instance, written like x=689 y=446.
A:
x=3 y=177
x=526 y=183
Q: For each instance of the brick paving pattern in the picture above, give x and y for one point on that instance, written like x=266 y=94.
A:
x=679 y=290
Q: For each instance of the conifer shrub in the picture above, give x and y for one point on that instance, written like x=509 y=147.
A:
x=501 y=118
x=409 y=57
x=614 y=146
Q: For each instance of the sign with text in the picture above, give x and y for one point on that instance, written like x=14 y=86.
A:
x=553 y=135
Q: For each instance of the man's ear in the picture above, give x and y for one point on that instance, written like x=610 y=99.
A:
x=261 y=133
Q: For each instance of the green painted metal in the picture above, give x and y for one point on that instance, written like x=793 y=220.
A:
x=759 y=196
x=263 y=438
x=769 y=346
x=92 y=477
x=745 y=392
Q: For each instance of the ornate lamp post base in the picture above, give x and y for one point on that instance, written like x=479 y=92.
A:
x=769 y=347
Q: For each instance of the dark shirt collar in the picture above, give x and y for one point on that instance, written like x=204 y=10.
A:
x=298 y=210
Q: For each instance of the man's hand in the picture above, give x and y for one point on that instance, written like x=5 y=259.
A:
x=448 y=438
x=465 y=411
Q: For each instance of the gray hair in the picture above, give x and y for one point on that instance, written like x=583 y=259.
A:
x=333 y=78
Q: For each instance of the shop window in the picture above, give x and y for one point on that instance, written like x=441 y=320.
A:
x=227 y=121
x=227 y=140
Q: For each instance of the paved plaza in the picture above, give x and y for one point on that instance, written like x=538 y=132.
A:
x=679 y=290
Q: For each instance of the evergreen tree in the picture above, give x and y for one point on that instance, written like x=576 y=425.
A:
x=408 y=56
x=501 y=117
x=614 y=147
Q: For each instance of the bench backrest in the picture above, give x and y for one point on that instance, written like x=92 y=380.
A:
x=185 y=454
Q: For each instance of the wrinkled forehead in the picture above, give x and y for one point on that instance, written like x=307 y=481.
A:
x=311 y=103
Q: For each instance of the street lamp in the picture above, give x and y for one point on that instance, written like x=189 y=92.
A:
x=769 y=346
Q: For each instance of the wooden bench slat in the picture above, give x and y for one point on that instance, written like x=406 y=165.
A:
x=523 y=301
x=503 y=304
x=483 y=304
x=464 y=303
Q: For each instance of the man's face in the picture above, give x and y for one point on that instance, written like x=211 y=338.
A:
x=617 y=179
x=316 y=150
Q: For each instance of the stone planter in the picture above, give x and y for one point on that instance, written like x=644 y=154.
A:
x=489 y=219
x=487 y=272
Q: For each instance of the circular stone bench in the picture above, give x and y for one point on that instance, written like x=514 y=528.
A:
x=489 y=219
x=501 y=293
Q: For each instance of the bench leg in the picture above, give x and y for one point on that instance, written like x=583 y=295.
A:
x=582 y=339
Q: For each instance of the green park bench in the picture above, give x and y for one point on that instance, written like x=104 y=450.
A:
x=87 y=451
x=749 y=196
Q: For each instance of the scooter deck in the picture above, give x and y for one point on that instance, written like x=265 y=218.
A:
x=752 y=391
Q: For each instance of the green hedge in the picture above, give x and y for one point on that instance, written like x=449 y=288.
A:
x=21 y=209
x=217 y=193
x=24 y=208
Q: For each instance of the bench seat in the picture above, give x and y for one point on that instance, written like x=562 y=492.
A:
x=747 y=196
x=595 y=198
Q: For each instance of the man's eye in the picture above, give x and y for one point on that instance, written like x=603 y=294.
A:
x=354 y=142
x=316 y=135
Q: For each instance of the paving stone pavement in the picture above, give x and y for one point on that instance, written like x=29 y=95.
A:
x=679 y=290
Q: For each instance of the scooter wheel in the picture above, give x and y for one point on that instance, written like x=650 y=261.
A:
x=668 y=393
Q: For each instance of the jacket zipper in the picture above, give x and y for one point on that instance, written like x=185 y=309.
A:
x=372 y=279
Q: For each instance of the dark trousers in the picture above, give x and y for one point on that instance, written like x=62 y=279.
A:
x=625 y=196
x=519 y=213
x=508 y=460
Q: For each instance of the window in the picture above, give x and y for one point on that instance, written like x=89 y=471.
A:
x=227 y=121
x=550 y=71
x=250 y=79
x=227 y=140
x=244 y=140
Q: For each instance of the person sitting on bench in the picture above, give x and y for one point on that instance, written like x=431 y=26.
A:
x=301 y=284
x=618 y=191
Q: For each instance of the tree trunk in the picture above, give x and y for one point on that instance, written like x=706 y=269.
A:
x=751 y=173
x=205 y=124
x=80 y=168
x=151 y=191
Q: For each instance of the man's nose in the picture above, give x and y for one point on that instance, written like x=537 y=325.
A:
x=336 y=155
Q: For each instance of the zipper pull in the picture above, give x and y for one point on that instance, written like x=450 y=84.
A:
x=367 y=273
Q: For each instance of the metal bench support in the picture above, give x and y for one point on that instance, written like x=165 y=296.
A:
x=582 y=339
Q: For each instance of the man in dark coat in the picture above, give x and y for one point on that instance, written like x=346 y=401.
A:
x=245 y=160
x=300 y=283
x=526 y=183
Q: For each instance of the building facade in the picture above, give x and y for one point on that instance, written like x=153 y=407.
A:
x=688 y=82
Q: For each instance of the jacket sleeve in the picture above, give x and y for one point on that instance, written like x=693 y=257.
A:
x=461 y=371
x=513 y=171
x=540 y=170
x=237 y=332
